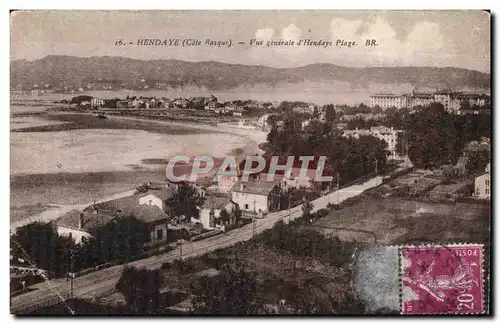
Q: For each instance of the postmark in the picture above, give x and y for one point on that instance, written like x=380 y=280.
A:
x=442 y=279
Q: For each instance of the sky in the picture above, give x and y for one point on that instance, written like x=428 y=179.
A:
x=405 y=38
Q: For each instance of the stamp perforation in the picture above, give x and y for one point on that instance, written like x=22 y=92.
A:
x=424 y=246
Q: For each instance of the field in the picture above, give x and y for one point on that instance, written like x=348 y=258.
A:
x=394 y=220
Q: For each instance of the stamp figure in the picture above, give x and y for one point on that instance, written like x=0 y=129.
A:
x=442 y=279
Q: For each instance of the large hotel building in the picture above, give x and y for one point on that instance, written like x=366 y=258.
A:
x=450 y=100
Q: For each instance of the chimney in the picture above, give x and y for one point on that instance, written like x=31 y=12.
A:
x=80 y=221
x=242 y=186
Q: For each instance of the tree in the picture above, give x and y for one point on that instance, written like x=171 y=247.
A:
x=432 y=137
x=224 y=216
x=306 y=242
x=401 y=143
x=306 y=209
x=141 y=289
x=237 y=214
x=232 y=292
x=80 y=99
x=121 y=239
x=477 y=161
x=187 y=201
x=40 y=244
x=329 y=113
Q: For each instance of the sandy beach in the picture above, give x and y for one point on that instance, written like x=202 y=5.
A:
x=72 y=167
x=81 y=149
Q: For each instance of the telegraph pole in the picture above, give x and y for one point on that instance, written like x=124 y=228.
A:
x=72 y=265
x=338 y=188
x=180 y=245
x=289 y=209
x=253 y=220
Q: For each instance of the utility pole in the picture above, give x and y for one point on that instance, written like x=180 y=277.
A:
x=338 y=188
x=253 y=220
x=180 y=240
x=72 y=265
x=376 y=166
x=289 y=209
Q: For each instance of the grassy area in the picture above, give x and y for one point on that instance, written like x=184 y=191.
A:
x=394 y=220
x=85 y=121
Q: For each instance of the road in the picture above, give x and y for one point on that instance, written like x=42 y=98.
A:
x=103 y=281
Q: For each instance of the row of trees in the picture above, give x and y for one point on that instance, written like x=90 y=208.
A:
x=431 y=135
x=436 y=137
x=119 y=240
x=350 y=158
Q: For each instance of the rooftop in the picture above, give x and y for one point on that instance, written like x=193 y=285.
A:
x=125 y=204
x=384 y=95
x=90 y=221
x=148 y=213
x=215 y=202
x=254 y=187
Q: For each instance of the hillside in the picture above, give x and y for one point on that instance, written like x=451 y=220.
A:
x=120 y=72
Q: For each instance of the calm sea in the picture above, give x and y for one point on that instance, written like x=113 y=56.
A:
x=319 y=96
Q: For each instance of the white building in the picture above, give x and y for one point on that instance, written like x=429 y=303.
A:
x=149 y=208
x=388 y=135
x=74 y=224
x=449 y=99
x=263 y=121
x=96 y=102
x=482 y=185
x=211 y=210
x=305 y=123
x=160 y=198
x=256 y=197
x=388 y=100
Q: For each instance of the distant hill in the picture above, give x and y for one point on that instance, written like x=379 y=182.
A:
x=120 y=72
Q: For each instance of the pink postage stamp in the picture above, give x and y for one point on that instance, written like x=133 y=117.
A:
x=445 y=279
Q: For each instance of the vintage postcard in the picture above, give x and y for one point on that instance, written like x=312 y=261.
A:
x=239 y=162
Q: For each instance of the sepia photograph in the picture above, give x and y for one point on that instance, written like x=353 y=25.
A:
x=250 y=162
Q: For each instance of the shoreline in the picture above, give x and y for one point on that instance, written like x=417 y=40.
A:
x=159 y=140
x=54 y=188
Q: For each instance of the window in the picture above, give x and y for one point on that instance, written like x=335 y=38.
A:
x=150 y=202
x=159 y=234
x=487 y=182
x=246 y=206
x=487 y=191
